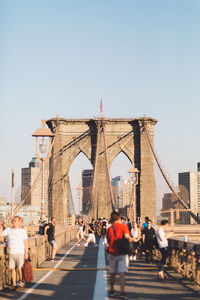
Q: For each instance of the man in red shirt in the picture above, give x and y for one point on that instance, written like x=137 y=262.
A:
x=117 y=231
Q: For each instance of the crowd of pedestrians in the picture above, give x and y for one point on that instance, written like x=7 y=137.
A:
x=124 y=240
x=143 y=238
x=117 y=233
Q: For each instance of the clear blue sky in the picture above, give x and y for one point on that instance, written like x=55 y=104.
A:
x=60 y=57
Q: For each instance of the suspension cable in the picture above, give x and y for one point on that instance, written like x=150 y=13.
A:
x=193 y=215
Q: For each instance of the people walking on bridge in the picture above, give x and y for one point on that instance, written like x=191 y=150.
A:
x=17 y=248
x=134 y=245
x=49 y=231
x=117 y=259
x=144 y=225
x=129 y=224
x=162 y=239
x=80 y=231
x=91 y=234
x=99 y=228
x=104 y=230
x=148 y=239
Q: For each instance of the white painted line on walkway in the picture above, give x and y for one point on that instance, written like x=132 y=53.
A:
x=29 y=291
x=100 y=289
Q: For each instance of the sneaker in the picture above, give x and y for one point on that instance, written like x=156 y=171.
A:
x=123 y=296
x=134 y=257
x=95 y=245
x=78 y=244
x=111 y=293
x=130 y=258
x=86 y=245
x=53 y=259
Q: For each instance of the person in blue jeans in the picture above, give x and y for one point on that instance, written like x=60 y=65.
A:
x=162 y=239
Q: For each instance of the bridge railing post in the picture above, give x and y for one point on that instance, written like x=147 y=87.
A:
x=185 y=259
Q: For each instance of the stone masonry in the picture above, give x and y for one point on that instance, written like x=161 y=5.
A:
x=101 y=140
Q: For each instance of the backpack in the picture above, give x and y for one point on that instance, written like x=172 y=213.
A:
x=41 y=228
x=27 y=271
x=123 y=245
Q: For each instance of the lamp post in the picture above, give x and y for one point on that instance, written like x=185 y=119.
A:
x=79 y=193
x=133 y=181
x=12 y=192
x=42 y=152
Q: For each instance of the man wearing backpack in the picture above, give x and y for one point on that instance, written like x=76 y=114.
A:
x=116 y=233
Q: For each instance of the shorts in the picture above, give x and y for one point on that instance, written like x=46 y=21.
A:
x=134 y=246
x=53 y=243
x=16 y=260
x=80 y=235
x=91 y=238
x=117 y=263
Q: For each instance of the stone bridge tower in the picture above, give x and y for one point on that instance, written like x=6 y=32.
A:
x=101 y=140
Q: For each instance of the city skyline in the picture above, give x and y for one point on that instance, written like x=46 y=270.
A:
x=140 y=58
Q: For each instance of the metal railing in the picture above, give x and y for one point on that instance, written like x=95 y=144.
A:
x=184 y=258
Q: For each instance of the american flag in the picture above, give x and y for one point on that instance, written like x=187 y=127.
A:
x=101 y=107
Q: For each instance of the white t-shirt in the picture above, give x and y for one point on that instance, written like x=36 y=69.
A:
x=161 y=239
x=80 y=228
x=135 y=232
x=16 y=238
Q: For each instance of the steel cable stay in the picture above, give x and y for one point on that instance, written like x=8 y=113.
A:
x=193 y=215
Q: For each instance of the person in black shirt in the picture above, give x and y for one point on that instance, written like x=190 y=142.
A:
x=49 y=231
x=104 y=230
x=148 y=238
x=91 y=234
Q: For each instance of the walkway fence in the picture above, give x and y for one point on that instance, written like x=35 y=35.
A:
x=39 y=251
x=185 y=259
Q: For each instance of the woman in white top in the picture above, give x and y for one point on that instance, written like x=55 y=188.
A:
x=136 y=234
x=162 y=239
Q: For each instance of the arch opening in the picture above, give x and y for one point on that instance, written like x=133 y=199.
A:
x=80 y=178
x=121 y=182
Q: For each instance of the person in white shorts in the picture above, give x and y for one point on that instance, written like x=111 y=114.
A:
x=80 y=231
x=91 y=234
x=18 y=249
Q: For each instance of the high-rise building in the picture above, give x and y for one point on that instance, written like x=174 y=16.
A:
x=167 y=201
x=118 y=191
x=191 y=182
x=28 y=177
x=127 y=194
x=87 y=179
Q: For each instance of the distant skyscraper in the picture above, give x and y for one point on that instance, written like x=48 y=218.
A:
x=87 y=178
x=28 y=177
x=191 y=181
x=118 y=191
x=127 y=194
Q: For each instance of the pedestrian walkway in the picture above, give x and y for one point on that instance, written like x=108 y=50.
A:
x=80 y=273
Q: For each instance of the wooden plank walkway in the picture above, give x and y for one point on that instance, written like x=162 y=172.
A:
x=73 y=276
